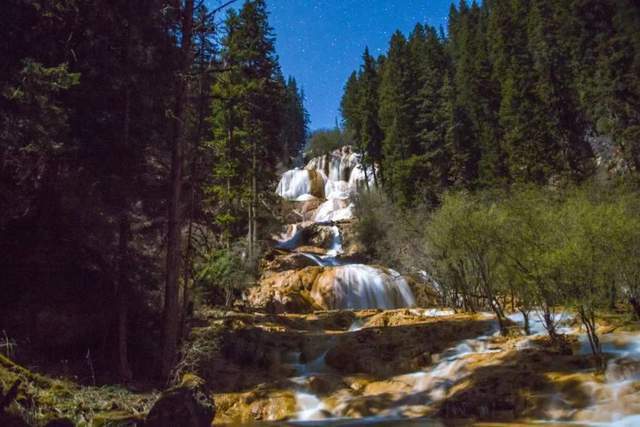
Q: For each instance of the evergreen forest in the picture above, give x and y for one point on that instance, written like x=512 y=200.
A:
x=181 y=247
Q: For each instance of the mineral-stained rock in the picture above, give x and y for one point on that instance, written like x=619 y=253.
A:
x=288 y=291
x=262 y=404
x=295 y=212
x=351 y=246
x=424 y=291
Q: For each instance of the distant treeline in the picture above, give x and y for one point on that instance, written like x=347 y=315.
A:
x=513 y=92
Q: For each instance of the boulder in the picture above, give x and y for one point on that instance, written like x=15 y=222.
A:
x=187 y=405
x=287 y=291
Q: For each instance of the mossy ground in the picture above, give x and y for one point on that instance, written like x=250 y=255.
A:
x=41 y=399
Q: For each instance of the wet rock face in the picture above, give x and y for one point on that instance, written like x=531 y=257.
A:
x=351 y=246
x=318 y=235
x=294 y=212
x=387 y=349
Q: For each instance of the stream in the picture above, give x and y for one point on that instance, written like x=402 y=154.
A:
x=334 y=179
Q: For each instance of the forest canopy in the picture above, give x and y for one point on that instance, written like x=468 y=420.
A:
x=513 y=92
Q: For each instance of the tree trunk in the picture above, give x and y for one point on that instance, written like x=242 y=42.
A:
x=550 y=324
x=228 y=179
x=587 y=316
x=122 y=294
x=635 y=304
x=171 y=318
x=253 y=203
x=124 y=230
x=525 y=316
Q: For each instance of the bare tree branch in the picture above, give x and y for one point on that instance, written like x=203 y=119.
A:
x=219 y=8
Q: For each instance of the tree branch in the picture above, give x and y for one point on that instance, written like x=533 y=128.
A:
x=219 y=8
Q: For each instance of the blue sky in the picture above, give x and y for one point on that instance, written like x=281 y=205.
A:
x=320 y=42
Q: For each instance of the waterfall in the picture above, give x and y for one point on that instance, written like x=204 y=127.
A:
x=336 y=178
x=334 y=210
x=301 y=185
x=359 y=286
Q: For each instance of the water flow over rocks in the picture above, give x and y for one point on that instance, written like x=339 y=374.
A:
x=362 y=347
x=335 y=283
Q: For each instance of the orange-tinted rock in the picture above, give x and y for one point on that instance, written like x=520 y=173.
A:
x=288 y=291
x=262 y=404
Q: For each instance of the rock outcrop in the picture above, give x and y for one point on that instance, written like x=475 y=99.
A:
x=187 y=405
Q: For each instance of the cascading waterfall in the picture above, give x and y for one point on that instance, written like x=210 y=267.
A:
x=341 y=175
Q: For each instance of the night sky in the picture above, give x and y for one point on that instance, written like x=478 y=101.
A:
x=320 y=42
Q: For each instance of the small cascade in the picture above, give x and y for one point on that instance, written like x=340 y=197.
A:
x=334 y=210
x=309 y=407
x=291 y=238
x=436 y=381
x=359 y=286
x=336 y=242
x=614 y=400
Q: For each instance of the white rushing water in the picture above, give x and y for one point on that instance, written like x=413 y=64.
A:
x=342 y=177
x=359 y=286
x=296 y=185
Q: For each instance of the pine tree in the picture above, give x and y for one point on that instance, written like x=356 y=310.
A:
x=369 y=104
x=552 y=76
x=398 y=118
x=247 y=121
x=350 y=108
x=432 y=63
x=295 y=122
x=463 y=135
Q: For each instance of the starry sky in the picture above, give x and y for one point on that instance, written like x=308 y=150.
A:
x=320 y=42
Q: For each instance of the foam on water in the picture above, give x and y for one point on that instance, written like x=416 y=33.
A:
x=309 y=407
